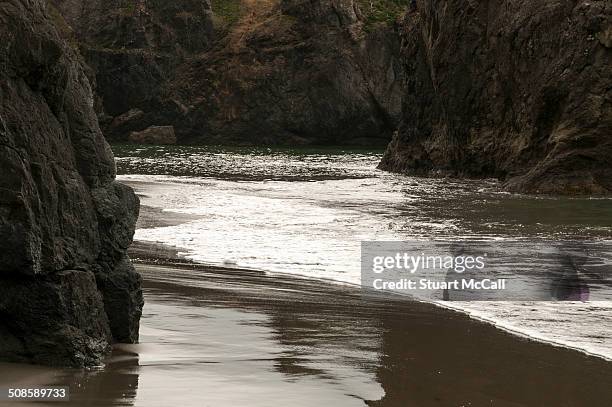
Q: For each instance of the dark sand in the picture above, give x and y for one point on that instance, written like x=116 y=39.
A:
x=222 y=337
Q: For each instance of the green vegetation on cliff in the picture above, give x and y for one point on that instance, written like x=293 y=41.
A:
x=382 y=11
x=226 y=12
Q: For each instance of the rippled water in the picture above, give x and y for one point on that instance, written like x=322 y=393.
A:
x=305 y=212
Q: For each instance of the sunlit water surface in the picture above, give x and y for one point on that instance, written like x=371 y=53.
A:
x=305 y=212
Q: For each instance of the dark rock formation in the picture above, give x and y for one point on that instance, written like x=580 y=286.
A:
x=126 y=123
x=132 y=49
x=518 y=90
x=282 y=71
x=67 y=289
x=154 y=25
x=294 y=72
x=154 y=135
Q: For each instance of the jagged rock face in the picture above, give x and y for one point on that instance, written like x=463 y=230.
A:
x=132 y=48
x=156 y=25
x=296 y=72
x=286 y=72
x=126 y=80
x=332 y=12
x=65 y=224
x=514 y=89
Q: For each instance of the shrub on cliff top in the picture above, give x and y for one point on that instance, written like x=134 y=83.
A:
x=226 y=12
x=382 y=11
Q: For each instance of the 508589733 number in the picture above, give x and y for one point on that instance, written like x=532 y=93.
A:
x=42 y=393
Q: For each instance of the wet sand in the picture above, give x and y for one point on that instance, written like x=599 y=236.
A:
x=222 y=337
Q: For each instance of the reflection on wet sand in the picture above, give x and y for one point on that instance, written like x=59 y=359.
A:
x=217 y=337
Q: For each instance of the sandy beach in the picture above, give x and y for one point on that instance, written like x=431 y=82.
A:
x=224 y=337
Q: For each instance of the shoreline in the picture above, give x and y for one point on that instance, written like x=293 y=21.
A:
x=158 y=254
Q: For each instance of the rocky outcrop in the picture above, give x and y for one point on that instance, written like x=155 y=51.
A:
x=265 y=72
x=132 y=48
x=518 y=90
x=154 y=135
x=166 y=27
x=294 y=72
x=67 y=288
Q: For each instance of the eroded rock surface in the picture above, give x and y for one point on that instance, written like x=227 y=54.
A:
x=263 y=71
x=154 y=135
x=67 y=288
x=132 y=49
x=294 y=72
x=518 y=90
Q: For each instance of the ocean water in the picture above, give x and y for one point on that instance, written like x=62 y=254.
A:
x=305 y=213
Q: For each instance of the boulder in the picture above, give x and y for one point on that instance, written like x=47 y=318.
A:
x=154 y=135
x=126 y=123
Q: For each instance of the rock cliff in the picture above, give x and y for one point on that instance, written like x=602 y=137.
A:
x=256 y=72
x=132 y=48
x=67 y=288
x=519 y=90
x=294 y=72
